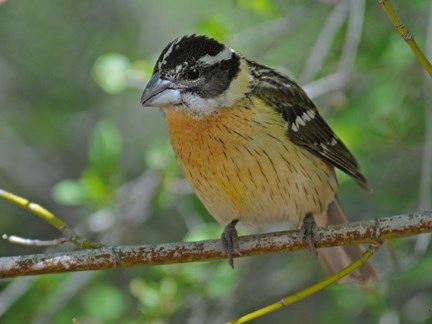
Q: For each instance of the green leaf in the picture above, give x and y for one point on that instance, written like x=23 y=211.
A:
x=105 y=148
x=105 y=303
x=215 y=26
x=159 y=155
x=141 y=71
x=110 y=72
x=262 y=7
x=69 y=192
x=221 y=282
x=204 y=231
x=397 y=54
x=97 y=188
x=158 y=300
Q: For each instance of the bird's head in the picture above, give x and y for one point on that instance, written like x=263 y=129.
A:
x=197 y=74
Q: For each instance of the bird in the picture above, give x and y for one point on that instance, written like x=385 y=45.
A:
x=252 y=145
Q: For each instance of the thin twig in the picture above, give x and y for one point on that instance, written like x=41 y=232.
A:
x=326 y=84
x=31 y=242
x=310 y=290
x=340 y=78
x=13 y=292
x=65 y=293
x=127 y=256
x=406 y=35
x=269 y=28
x=50 y=218
x=323 y=42
x=353 y=36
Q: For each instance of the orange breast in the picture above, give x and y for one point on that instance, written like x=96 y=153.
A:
x=242 y=166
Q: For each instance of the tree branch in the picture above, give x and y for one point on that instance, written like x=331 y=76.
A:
x=127 y=256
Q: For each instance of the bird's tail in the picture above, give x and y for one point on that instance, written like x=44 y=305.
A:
x=334 y=259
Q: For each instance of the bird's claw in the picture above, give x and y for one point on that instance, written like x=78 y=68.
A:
x=309 y=232
x=230 y=242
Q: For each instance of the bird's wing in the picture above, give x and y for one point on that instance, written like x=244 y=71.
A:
x=305 y=126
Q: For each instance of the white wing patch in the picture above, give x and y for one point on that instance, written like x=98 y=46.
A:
x=334 y=140
x=302 y=120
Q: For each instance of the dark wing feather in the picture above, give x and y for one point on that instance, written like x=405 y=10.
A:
x=306 y=127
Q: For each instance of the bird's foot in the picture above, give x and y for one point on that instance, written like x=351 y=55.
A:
x=230 y=242
x=308 y=229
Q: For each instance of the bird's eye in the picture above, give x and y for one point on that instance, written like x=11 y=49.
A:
x=193 y=74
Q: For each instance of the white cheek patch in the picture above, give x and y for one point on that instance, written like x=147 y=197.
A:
x=197 y=106
x=223 y=55
x=200 y=107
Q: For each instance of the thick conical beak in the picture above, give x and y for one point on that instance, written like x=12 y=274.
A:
x=160 y=93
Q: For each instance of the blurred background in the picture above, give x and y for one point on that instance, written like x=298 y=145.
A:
x=74 y=138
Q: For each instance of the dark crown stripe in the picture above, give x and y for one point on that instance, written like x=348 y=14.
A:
x=187 y=48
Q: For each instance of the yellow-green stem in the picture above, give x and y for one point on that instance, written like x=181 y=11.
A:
x=406 y=35
x=308 y=291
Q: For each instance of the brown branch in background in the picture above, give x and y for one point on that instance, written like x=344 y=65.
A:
x=128 y=256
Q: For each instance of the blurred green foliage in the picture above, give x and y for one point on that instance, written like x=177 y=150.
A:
x=110 y=72
x=74 y=138
x=102 y=175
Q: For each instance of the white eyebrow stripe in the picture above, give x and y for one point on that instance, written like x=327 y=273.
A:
x=223 y=55
x=168 y=52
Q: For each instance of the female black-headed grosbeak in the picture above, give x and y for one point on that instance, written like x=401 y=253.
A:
x=251 y=143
